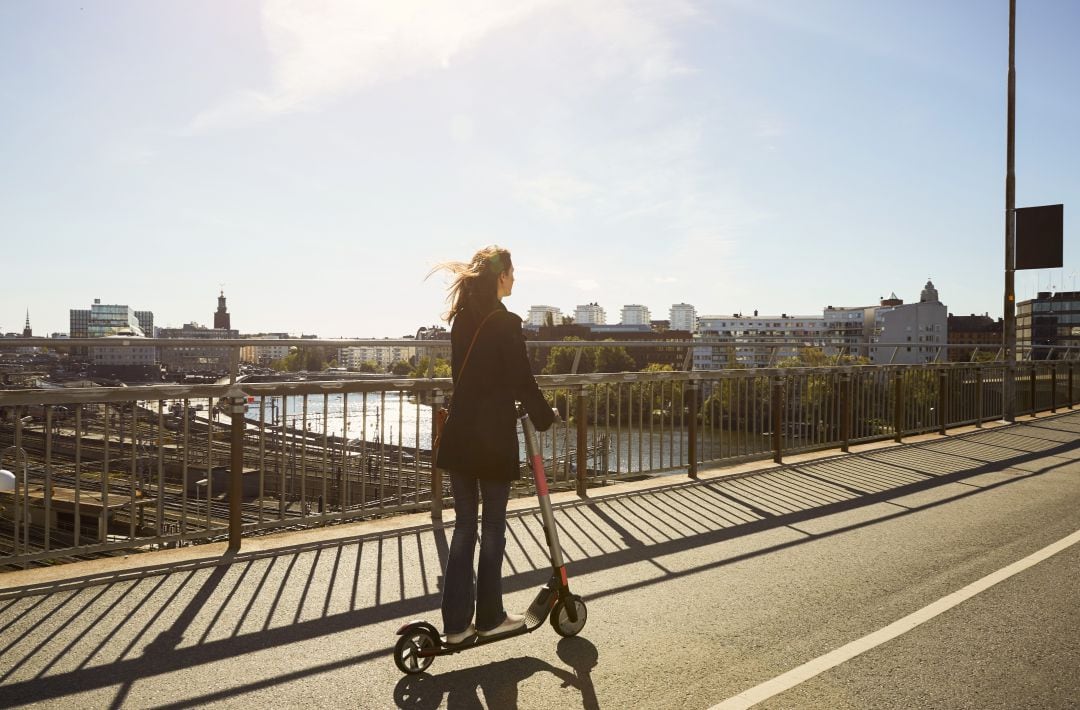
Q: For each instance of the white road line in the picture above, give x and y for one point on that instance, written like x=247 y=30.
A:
x=808 y=670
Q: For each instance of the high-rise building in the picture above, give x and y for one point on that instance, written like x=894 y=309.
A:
x=1048 y=324
x=683 y=316
x=847 y=329
x=540 y=315
x=109 y=319
x=590 y=314
x=634 y=314
x=103 y=320
x=80 y=322
x=126 y=362
x=146 y=322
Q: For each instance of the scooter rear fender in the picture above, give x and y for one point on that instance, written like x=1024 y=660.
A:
x=418 y=625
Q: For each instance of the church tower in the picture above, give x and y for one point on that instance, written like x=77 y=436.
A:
x=27 y=332
x=221 y=316
x=929 y=293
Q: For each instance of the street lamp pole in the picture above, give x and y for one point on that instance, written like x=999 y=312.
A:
x=1009 y=335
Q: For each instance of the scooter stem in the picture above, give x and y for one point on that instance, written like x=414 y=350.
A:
x=536 y=462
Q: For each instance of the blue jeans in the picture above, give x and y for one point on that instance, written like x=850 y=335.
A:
x=459 y=593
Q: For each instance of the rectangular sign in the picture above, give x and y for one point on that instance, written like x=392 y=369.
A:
x=1039 y=236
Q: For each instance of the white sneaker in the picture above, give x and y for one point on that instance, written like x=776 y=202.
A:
x=461 y=637
x=512 y=622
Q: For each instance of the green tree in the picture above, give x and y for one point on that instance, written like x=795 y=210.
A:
x=655 y=399
x=609 y=359
x=816 y=357
x=285 y=364
x=442 y=368
x=401 y=368
x=561 y=359
x=300 y=359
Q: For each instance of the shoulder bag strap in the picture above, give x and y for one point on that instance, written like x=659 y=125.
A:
x=475 y=336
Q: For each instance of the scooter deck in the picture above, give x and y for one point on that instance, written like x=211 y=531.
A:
x=446 y=649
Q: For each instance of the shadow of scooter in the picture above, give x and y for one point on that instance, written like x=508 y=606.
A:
x=498 y=682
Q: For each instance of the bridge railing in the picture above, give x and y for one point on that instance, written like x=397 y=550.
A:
x=112 y=470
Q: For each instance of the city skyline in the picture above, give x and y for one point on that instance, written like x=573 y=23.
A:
x=220 y=313
x=658 y=315
x=738 y=156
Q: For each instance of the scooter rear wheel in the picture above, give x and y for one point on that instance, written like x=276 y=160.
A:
x=560 y=619
x=407 y=652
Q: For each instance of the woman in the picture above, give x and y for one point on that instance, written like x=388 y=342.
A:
x=479 y=443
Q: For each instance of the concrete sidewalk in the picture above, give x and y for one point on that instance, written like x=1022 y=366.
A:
x=196 y=627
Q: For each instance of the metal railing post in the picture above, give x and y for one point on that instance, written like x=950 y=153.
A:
x=898 y=406
x=582 y=439
x=692 y=405
x=20 y=500
x=777 y=419
x=1033 y=388
x=1053 y=387
x=845 y=411
x=237 y=407
x=1071 y=400
x=234 y=363
x=978 y=398
x=437 y=401
x=943 y=400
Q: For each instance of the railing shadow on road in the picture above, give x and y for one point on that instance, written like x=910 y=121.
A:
x=99 y=632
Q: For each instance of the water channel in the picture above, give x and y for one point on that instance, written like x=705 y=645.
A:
x=398 y=419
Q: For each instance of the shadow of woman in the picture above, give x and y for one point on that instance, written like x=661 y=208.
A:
x=496 y=685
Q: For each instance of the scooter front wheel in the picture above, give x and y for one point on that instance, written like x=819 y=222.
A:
x=560 y=619
x=407 y=651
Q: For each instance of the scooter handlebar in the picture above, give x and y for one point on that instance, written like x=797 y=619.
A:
x=521 y=413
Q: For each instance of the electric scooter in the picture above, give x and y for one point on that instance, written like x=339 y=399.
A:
x=420 y=641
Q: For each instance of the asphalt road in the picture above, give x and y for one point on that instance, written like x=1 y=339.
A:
x=695 y=593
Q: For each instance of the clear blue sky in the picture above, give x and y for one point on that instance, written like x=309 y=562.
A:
x=318 y=158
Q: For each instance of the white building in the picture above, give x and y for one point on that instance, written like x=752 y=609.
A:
x=847 y=330
x=590 y=314
x=754 y=341
x=634 y=314
x=264 y=354
x=538 y=316
x=382 y=355
x=910 y=333
x=683 y=316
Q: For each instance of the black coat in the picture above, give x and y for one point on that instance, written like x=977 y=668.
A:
x=480 y=437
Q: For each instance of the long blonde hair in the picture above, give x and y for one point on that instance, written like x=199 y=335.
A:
x=475 y=282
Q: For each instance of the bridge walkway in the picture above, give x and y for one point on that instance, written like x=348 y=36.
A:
x=308 y=618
